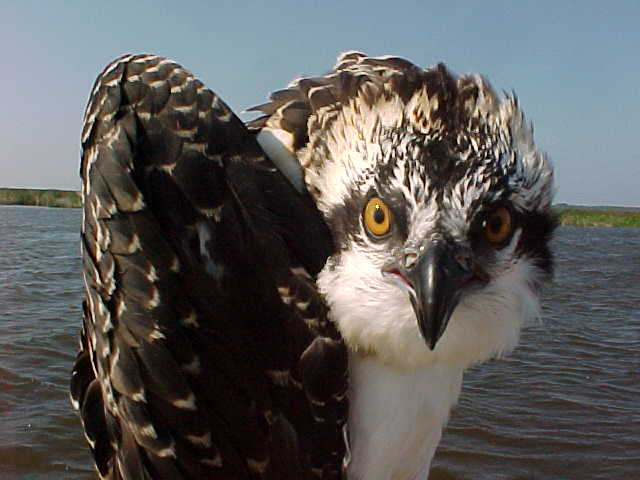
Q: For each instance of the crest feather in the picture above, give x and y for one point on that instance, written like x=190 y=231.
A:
x=339 y=117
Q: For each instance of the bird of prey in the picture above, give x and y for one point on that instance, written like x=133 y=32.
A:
x=298 y=297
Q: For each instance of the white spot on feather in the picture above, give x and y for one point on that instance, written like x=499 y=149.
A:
x=257 y=466
x=313 y=323
x=139 y=396
x=167 y=452
x=211 y=212
x=156 y=334
x=154 y=301
x=152 y=273
x=302 y=305
x=112 y=83
x=185 y=108
x=174 y=266
x=142 y=59
x=191 y=320
x=285 y=294
x=192 y=367
x=91 y=442
x=121 y=307
x=134 y=244
x=186 y=132
x=178 y=88
x=138 y=203
x=279 y=377
x=204 y=236
x=222 y=113
x=168 y=167
x=148 y=431
x=199 y=147
x=203 y=440
x=188 y=403
x=301 y=272
x=107 y=326
x=213 y=462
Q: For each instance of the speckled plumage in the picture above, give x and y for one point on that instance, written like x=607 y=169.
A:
x=442 y=152
x=201 y=325
x=200 y=312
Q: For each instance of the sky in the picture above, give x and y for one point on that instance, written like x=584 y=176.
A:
x=574 y=65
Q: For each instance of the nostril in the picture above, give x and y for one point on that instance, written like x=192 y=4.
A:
x=410 y=260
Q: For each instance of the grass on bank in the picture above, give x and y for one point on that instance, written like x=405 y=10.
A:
x=582 y=217
x=42 y=198
x=599 y=218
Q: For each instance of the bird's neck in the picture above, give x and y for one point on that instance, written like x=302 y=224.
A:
x=397 y=416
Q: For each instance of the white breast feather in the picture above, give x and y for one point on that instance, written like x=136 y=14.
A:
x=401 y=392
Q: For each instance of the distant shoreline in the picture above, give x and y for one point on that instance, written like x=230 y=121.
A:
x=569 y=215
x=40 y=197
x=596 y=217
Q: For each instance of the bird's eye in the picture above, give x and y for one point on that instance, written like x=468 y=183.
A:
x=377 y=217
x=498 y=225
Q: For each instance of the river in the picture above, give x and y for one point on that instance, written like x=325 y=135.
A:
x=565 y=405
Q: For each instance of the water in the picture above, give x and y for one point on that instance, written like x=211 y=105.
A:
x=40 y=295
x=565 y=405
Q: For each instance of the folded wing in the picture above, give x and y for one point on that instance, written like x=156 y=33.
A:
x=206 y=350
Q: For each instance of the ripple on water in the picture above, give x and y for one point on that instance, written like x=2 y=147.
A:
x=565 y=405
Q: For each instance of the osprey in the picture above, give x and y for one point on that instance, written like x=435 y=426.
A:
x=298 y=297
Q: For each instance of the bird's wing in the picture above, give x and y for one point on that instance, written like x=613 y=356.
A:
x=205 y=350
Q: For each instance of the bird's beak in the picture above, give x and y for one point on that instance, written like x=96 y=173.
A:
x=435 y=278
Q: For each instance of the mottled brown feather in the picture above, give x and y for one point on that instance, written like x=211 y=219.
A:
x=188 y=232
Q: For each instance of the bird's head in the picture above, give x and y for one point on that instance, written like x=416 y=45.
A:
x=440 y=208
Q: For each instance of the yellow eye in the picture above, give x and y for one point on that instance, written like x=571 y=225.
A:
x=498 y=225
x=377 y=217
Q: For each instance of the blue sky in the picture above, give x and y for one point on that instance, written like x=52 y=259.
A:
x=575 y=67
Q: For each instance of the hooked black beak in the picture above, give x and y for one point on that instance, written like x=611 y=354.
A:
x=436 y=278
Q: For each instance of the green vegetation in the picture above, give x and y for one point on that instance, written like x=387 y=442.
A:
x=599 y=218
x=43 y=198
x=569 y=215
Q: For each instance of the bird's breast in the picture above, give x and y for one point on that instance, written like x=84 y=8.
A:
x=396 y=416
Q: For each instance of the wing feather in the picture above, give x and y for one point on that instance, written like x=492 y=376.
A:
x=190 y=354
